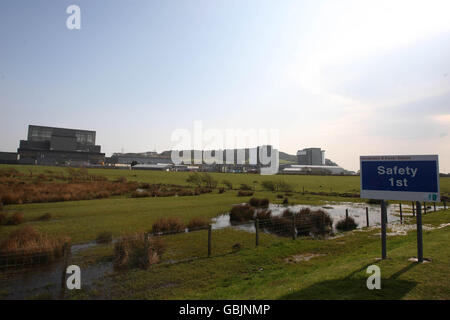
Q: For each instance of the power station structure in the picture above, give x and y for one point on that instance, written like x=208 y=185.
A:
x=311 y=156
x=59 y=146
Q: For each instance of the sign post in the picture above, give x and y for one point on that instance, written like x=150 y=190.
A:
x=405 y=178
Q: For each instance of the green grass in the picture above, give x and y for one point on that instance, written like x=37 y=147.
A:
x=264 y=273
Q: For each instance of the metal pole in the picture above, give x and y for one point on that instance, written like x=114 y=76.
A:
x=401 y=214
x=413 y=208
x=367 y=216
x=257 y=232
x=294 y=233
x=419 y=233
x=209 y=240
x=383 y=229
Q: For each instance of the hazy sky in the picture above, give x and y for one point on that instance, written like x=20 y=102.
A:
x=353 y=77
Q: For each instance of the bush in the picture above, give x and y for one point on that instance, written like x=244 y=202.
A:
x=242 y=193
x=197 y=223
x=321 y=222
x=168 y=225
x=184 y=193
x=242 y=212
x=195 y=179
x=221 y=190
x=268 y=185
x=285 y=201
x=245 y=186
x=209 y=181
x=3 y=218
x=16 y=218
x=45 y=217
x=104 y=237
x=259 y=203
x=280 y=196
x=27 y=246
x=346 y=224
x=138 y=252
x=228 y=184
x=264 y=214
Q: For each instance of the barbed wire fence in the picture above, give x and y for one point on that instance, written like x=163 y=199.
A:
x=147 y=250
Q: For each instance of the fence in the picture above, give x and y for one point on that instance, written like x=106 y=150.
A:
x=152 y=250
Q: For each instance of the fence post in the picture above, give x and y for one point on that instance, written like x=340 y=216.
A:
x=419 y=234
x=294 y=233
x=346 y=218
x=413 y=209
x=434 y=206
x=209 y=239
x=401 y=214
x=66 y=251
x=424 y=207
x=383 y=229
x=367 y=216
x=256 y=232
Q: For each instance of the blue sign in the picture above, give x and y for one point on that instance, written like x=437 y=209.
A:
x=414 y=178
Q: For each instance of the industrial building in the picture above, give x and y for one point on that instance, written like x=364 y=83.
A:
x=313 y=169
x=311 y=156
x=59 y=146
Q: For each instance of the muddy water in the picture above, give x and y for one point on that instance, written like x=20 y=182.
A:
x=336 y=210
x=38 y=280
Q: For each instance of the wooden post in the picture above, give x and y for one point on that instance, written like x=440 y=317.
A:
x=66 y=252
x=209 y=240
x=401 y=214
x=367 y=216
x=413 y=209
x=294 y=233
x=434 y=206
x=346 y=218
x=257 y=232
x=424 y=207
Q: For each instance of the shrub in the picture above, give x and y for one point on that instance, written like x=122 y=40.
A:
x=245 y=186
x=241 y=212
x=284 y=186
x=209 y=181
x=27 y=246
x=3 y=218
x=104 y=237
x=259 y=203
x=346 y=224
x=183 y=193
x=285 y=201
x=121 y=179
x=242 y=193
x=195 y=179
x=280 y=196
x=221 y=190
x=137 y=251
x=197 y=223
x=268 y=185
x=16 y=218
x=321 y=222
x=228 y=184
x=45 y=217
x=287 y=213
x=168 y=225
x=263 y=214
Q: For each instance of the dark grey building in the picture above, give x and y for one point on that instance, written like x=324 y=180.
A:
x=311 y=156
x=59 y=146
x=8 y=157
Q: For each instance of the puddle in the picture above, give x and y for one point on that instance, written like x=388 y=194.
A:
x=336 y=210
x=303 y=257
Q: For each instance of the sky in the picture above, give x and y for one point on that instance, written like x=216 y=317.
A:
x=352 y=77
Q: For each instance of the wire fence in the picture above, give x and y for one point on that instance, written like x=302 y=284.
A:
x=150 y=250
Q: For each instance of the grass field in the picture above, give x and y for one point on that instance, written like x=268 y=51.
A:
x=268 y=272
x=249 y=273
